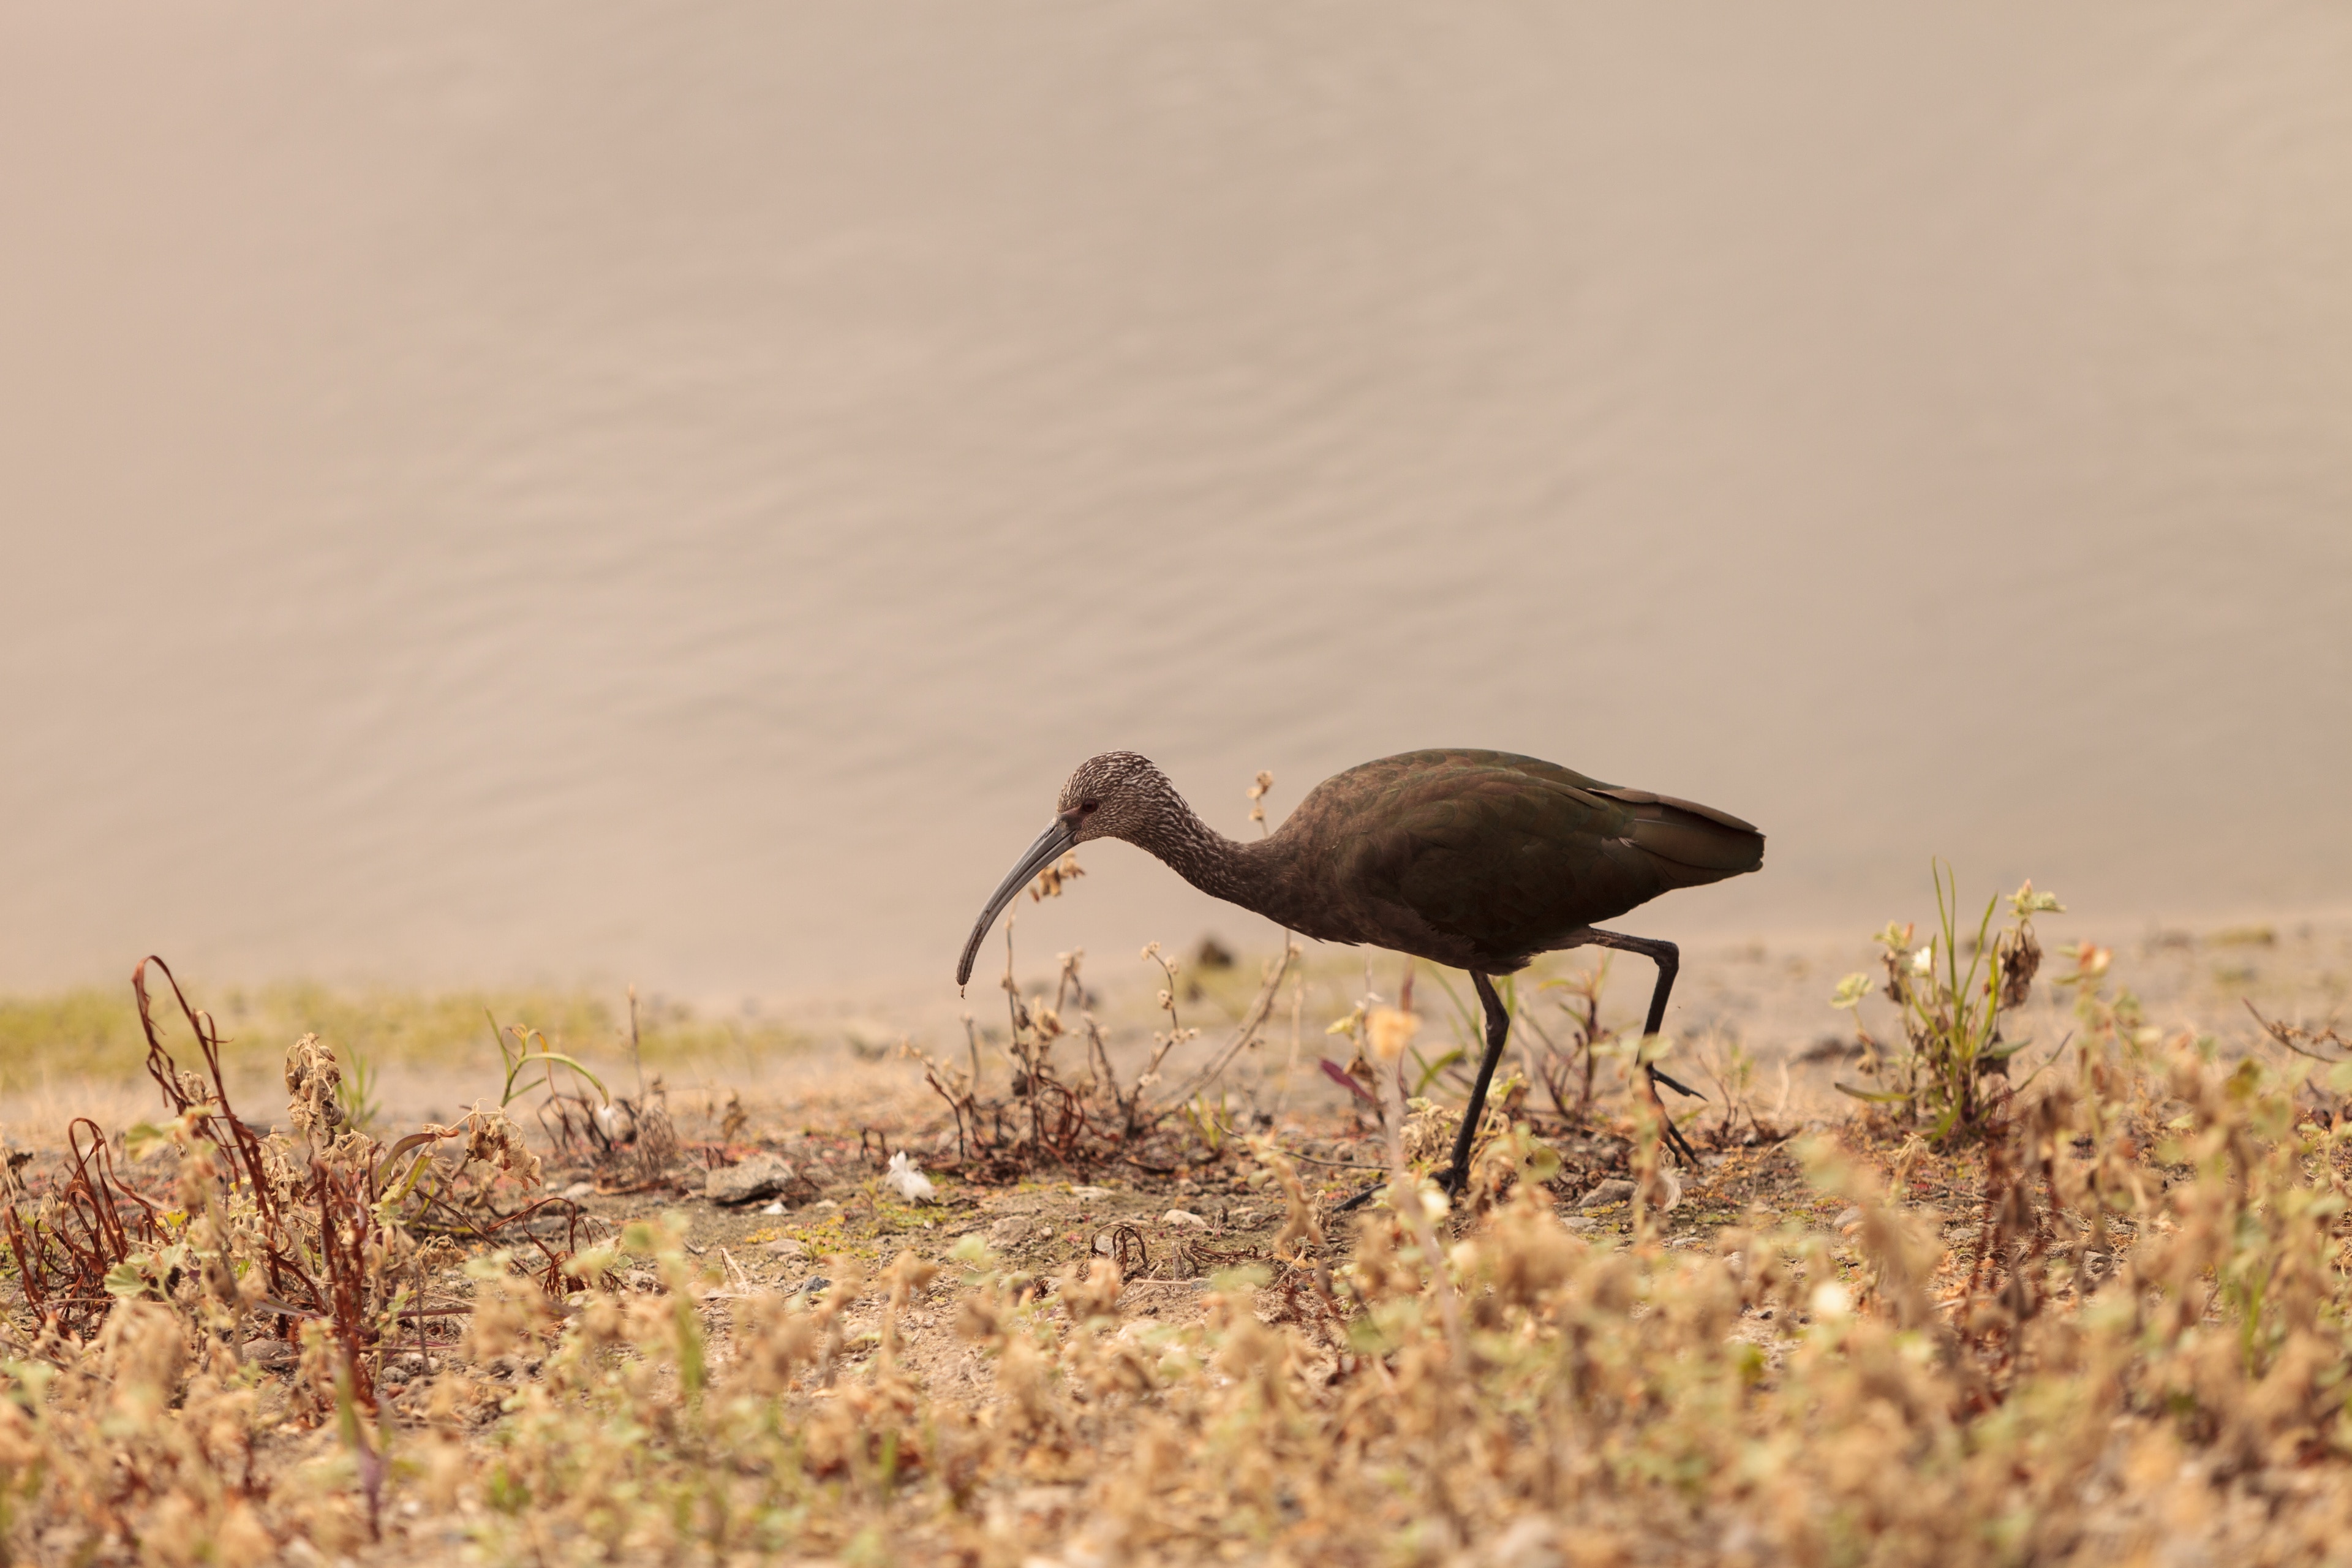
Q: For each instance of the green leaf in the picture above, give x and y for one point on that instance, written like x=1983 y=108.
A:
x=1875 y=1097
x=555 y=1058
x=1431 y=1070
x=1539 y=1162
x=590 y=1264
x=126 y=1280
x=143 y=1141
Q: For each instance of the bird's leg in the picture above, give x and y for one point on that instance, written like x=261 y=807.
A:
x=1668 y=958
x=1498 y=1029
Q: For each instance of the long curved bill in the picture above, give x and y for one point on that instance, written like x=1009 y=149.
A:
x=1051 y=846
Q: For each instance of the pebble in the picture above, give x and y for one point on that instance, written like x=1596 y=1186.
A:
x=1185 y=1217
x=1603 y=1194
x=271 y=1354
x=761 y=1176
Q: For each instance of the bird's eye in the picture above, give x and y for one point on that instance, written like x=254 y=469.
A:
x=1088 y=804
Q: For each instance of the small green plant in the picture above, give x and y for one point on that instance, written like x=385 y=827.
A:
x=357 y=1093
x=532 y=1049
x=1580 y=998
x=1210 y=1121
x=1951 y=1018
x=1427 y=1071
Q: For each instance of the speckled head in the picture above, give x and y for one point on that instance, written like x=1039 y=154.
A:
x=1118 y=795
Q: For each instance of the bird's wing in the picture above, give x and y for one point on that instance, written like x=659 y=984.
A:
x=1512 y=860
x=1495 y=858
x=1693 y=840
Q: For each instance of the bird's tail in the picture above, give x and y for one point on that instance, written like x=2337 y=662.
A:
x=1690 y=844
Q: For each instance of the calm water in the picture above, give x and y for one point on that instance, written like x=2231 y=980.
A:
x=586 y=490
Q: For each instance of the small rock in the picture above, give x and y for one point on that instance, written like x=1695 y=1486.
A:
x=786 y=1247
x=580 y=1190
x=1009 y=1230
x=269 y=1354
x=761 y=1176
x=1847 y=1221
x=1185 y=1217
x=1089 y=1195
x=1606 y=1193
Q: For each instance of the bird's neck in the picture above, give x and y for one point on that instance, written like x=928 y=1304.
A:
x=1205 y=857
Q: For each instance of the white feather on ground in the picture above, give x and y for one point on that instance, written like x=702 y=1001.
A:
x=906 y=1180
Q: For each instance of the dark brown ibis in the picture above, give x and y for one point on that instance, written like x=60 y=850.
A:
x=1479 y=860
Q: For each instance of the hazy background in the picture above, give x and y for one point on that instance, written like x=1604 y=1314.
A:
x=595 y=491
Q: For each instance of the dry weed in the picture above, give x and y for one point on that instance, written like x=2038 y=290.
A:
x=2132 y=1346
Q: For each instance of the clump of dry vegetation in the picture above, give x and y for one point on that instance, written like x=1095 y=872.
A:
x=2102 y=1318
x=1079 y=1116
x=1951 y=1070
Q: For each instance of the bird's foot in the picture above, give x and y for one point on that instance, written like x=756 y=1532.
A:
x=1678 y=1088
